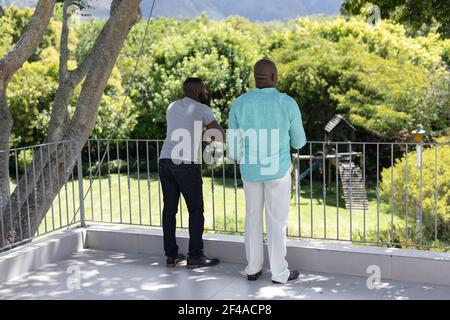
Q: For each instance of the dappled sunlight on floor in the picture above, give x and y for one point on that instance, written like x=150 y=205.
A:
x=91 y=274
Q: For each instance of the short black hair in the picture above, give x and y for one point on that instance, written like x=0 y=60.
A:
x=189 y=81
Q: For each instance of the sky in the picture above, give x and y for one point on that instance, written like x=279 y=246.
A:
x=255 y=10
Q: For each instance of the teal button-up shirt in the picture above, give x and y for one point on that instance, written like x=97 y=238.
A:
x=263 y=126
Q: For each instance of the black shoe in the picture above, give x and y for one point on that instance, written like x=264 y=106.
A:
x=199 y=262
x=254 y=277
x=292 y=276
x=173 y=262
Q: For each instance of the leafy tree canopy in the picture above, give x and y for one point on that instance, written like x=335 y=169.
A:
x=379 y=78
x=415 y=13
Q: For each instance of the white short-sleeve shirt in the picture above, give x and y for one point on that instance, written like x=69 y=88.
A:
x=186 y=119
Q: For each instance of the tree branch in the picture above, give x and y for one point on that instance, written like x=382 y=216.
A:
x=78 y=74
x=116 y=28
x=66 y=85
x=64 y=43
x=101 y=60
x=29 y=41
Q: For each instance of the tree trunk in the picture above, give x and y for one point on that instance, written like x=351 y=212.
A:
x=6 y=123
x=97 y=68
x=9 y=65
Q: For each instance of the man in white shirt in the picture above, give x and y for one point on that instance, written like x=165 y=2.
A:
x=265 y=165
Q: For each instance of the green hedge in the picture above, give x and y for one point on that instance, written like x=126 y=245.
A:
x=430 y=211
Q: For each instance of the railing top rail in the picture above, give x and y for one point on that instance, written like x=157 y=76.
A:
x=36 y=146
x=312 y=141
x=381 y=143
x=119 y=139
x=160 y=140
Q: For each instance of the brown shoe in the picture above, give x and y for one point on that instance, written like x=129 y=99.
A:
x=200 y=262
x=173 y=262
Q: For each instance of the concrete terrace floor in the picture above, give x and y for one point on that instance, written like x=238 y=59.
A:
x=114 y=275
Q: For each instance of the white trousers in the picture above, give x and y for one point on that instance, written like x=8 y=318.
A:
x=275 y=196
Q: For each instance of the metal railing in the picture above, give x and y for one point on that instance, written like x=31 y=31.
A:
x=361 y=192
x=43 y=193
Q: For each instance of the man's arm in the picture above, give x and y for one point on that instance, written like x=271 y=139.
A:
x=216 y=132
x=296 y=130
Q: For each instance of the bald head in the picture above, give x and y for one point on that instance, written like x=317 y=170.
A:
x=266 y=73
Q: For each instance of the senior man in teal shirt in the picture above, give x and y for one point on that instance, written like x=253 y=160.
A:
x=263 y=126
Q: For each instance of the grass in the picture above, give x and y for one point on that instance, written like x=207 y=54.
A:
x=139 y=201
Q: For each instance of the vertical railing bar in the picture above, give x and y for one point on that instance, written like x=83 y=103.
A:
x=51 y=185
x=159 y=183
x=324 y=185
x=128 y=183
x=73 y=192
x=65 y=182
x=4 y=202
x=81 y=195
x=33 y=156
x=406 y=195
x=337 y=191
x=26 y=191
x=420 y=192
x=8 y=188
x=139 y=182
x=148 y=184
x=180 y=204
x=64 y=144
x=109 y=180
x=119 y=163
x=392 y=193
x=436 y=192
x=18 y=196
x=378 y=192
x=351 y=190
x=297 y=187
x=43 y=185
x=90 y=179
x=235 y=195
x=201 y=172
x=58 y=181
x=311 y=189
x=99 y=172
x=212 y=193
x=224 y=198
x=2 y=240
x=364 y=197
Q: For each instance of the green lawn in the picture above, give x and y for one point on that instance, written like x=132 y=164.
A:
x=139 y=202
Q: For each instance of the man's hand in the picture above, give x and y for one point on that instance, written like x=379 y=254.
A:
x=214 y=132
